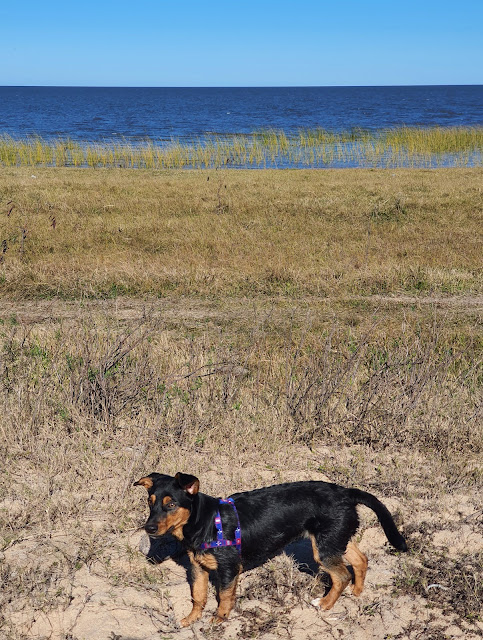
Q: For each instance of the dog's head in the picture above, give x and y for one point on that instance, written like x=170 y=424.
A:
x=170 y=501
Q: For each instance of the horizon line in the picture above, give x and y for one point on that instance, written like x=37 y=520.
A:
x=258 y=86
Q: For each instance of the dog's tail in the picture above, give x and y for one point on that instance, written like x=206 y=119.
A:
x=383 y=515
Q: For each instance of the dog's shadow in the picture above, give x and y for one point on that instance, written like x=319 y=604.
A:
x=302 y=553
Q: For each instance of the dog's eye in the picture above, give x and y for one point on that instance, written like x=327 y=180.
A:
x=171 y=505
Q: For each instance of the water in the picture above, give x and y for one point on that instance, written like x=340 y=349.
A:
x=93 y=114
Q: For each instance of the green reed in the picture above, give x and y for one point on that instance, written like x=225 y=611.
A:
x=398 y=147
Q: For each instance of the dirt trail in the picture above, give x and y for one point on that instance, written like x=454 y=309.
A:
x=225 y=309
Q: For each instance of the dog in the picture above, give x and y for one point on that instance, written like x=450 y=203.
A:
x=242 y=532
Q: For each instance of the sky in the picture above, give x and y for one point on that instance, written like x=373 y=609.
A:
x=191 y=43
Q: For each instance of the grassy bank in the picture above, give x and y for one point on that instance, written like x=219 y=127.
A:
x=71 y=233
x=398 y=147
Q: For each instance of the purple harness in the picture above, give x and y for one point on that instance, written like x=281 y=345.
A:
x=220 y=540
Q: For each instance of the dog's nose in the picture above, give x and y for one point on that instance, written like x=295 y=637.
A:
x=151 y=528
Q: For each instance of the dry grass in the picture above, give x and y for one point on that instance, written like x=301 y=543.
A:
x=331 y=383
x=381 y=391
x=73 y=233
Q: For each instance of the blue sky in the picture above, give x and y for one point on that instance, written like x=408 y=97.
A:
x=240 y=43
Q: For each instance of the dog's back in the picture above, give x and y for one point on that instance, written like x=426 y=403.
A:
x=272 y=517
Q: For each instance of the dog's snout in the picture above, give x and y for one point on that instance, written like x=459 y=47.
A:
x=151 y=528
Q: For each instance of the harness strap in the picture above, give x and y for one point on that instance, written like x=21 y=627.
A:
x=220 y=539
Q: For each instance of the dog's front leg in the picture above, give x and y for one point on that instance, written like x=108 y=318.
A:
x=228 y=580
x=199 y=591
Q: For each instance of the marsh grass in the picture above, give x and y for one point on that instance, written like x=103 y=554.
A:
x=398 y=147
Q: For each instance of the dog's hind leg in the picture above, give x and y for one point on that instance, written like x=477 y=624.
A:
x=340 y=577
x=338 y=573
x=358 y=561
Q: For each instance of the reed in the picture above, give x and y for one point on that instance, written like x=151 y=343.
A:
x=411 y=147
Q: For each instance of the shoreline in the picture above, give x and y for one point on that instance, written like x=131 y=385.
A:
x=399 y=147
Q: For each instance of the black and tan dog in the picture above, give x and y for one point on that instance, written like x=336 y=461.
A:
x=269 y=519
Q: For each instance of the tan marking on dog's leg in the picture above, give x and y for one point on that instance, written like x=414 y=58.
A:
x=358 y=561
x=226 y=601
x=315 y=549
x=207 y=560
x=339 y=575
x=199 y=592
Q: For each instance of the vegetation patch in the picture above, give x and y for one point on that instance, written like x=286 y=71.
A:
x=399 y=147
x=455 y=585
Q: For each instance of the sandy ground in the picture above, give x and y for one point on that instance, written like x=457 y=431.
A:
x=115 y=593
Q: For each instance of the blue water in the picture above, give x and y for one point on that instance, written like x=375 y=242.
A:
x=91 y=114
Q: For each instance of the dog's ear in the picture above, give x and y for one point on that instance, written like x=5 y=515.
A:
x=146 y=482
x=188 y=483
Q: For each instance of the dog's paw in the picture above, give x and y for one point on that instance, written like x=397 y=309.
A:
x=322 y=603
x=186 y=622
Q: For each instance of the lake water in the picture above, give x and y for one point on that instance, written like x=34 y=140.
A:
x=92 y=114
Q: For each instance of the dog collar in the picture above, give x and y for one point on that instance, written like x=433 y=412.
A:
x=220 y=539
